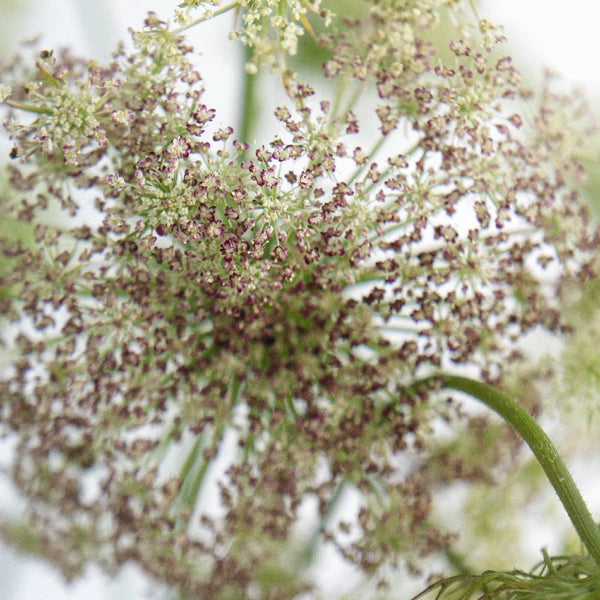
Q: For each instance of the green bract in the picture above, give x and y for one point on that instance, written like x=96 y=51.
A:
x=559 y=578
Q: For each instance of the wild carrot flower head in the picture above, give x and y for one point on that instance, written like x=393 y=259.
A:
x=281 y=298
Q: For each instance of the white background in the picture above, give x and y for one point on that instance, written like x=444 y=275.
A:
x=563 y=35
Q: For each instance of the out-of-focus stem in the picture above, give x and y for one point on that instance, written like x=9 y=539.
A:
x=249 y=105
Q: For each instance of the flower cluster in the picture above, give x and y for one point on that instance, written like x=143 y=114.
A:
x=284 y=298
x=72 y=115
x=270 y=28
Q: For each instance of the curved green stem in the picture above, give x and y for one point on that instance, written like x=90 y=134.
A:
x=541 y=446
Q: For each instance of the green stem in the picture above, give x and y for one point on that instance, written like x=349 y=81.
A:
x=310 y=550
x=542 y=448
x=249 y=104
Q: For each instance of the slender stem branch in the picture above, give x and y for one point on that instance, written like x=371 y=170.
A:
x=541 y=446
x=214 y=14
x=367 y=163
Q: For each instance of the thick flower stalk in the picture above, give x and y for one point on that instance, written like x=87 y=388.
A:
x=542 y=447
x=170 y=292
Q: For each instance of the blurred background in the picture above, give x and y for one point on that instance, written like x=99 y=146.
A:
x=541 y=33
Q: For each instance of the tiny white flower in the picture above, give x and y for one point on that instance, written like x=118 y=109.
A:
x=5 y=91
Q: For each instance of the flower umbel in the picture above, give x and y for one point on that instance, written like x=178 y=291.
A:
x=279 y=300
